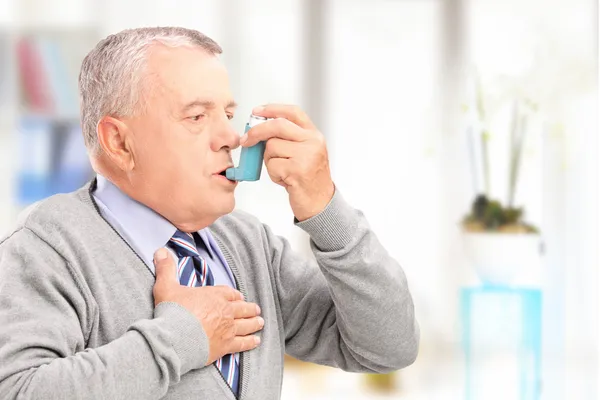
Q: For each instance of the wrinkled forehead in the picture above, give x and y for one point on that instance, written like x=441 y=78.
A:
x=181 y=74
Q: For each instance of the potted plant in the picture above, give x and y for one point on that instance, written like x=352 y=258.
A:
x=499 y=242
x=538 y=76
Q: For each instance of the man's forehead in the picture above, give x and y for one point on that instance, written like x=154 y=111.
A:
x=188 y=75
x=184 y=63
x=161 y=53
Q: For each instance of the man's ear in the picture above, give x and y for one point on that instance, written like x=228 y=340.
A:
x=114 y=137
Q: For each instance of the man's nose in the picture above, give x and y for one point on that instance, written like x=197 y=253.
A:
x=226 y=136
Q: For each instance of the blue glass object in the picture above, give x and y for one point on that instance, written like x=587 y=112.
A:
x=502 y=342
x=35 y=160
x=52 y=158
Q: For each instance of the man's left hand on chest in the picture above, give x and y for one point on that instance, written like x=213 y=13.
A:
x=295 y=156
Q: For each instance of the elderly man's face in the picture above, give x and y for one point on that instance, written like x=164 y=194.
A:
x=183 y=141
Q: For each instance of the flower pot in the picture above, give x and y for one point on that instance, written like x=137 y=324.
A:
x=504 y=258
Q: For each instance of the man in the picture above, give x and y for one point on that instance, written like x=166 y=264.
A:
x=145 y=283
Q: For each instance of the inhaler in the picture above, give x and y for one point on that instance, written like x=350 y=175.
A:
x=251 y=159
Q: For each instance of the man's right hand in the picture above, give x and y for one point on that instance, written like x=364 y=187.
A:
x=227 y=319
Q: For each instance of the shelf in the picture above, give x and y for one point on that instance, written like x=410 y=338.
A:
x=42 y=44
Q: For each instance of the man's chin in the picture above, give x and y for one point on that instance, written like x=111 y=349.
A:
x=227 y=205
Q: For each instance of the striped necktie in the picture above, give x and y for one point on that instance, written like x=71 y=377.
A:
x=193 y=270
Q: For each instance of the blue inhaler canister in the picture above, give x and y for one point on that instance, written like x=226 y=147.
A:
x=251 y=159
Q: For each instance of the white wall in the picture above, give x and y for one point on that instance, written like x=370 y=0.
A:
x=385 y=151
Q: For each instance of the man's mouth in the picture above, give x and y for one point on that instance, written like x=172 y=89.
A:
x=223 y=173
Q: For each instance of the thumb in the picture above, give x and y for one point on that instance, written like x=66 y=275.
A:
x=165 y=266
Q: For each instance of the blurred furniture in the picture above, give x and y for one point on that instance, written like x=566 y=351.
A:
x=501 y=334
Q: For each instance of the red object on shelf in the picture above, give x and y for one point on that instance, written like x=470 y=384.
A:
x=34 y=81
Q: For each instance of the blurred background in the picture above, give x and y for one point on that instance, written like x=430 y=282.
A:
x=465 y=130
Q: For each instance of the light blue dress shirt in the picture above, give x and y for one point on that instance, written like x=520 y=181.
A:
x=146 y=231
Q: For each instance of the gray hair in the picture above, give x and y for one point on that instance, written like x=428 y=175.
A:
x=111 y=74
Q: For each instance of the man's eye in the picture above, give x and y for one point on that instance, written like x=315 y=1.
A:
x=197 y=117
x=230 y=116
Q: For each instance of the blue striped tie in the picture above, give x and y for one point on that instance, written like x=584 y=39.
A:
x=193 y=270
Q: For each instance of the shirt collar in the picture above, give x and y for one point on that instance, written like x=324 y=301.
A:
x=146 y=228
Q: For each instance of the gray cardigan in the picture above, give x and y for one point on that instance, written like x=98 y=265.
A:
x=77 y=316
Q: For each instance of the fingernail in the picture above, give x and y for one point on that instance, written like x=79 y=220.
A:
x=160 y=255
x=261 y=322
x=256 y=340
x=258 y=110
x=243 y=139
x=257 y=309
